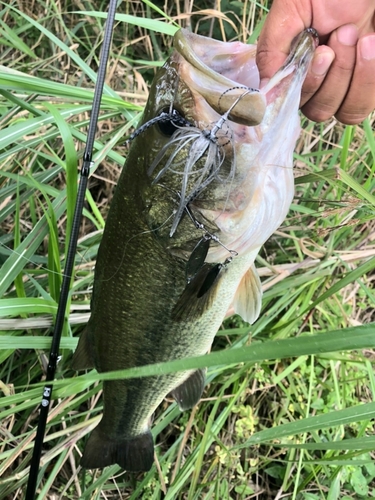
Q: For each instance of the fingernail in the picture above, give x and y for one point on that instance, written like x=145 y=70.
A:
x=347 y=34
x=367 y=47
x=321 y=63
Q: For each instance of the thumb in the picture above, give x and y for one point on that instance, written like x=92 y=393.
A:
x=286 y=19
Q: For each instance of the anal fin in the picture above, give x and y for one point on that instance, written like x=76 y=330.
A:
x=248 y=298
x=83 y=358
x=189 y=392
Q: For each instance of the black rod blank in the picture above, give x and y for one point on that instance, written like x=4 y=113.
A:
x=85 y=170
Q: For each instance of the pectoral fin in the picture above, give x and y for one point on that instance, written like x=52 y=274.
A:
x=248 y=299
x=83 y=358
x=189 y=392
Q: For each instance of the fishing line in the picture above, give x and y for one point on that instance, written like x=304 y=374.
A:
x=39 y=267
x=64 y=293
x=128 y=241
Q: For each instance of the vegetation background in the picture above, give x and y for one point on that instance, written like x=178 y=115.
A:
x=288 y=411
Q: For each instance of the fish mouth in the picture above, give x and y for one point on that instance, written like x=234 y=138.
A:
x=226 y=75
x=222 y=73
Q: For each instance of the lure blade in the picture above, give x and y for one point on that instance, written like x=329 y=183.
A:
x=210 y=280
x=197 y=258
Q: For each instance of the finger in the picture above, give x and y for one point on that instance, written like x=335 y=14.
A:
x=319 y=67
x=360 y=99
x=328 y=99
x=284 y=22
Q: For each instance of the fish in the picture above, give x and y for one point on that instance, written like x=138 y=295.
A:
x=207 y=180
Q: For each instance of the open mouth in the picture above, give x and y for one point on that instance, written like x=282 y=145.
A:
x=226 y=75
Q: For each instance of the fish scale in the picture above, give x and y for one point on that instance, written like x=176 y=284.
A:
x=159 y=293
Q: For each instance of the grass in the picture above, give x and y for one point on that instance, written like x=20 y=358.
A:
x=288 y=410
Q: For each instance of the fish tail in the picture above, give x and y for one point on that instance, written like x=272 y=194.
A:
x=134 y=454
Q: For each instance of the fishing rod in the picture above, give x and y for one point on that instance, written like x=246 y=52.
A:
x=67 y=276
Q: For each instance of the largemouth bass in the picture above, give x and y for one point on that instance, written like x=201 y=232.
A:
x=207 y=180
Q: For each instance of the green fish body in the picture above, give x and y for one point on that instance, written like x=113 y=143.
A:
x=207 y=180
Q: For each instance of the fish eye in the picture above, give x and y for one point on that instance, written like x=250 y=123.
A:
x=170 y=120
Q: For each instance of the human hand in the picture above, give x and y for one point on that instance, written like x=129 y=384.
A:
x=341 y=78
